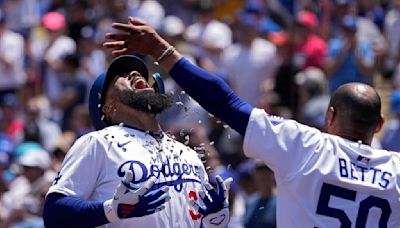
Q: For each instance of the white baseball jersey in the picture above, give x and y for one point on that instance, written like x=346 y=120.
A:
x=98 y=161
x=325 y=180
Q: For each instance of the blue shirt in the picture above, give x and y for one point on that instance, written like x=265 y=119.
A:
x=349 y=71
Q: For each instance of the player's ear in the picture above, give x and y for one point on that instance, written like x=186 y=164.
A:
x=107 y=108
x=379 y=126
x=330 y=116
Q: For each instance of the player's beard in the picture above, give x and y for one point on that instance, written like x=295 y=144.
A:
x=146 y=101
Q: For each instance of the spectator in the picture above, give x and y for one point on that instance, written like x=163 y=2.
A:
x=391 y=132
x=392 y=26
x=37 y=114
x=210 y=37
x=349 y=60
x=314 y=96
x=285 y=86
x=92 y=58
x=310 y=49
x=22 y=200
x=250 y=61
x=73 y=89
x=261 y=213
x=12 y=75
x=55 y=49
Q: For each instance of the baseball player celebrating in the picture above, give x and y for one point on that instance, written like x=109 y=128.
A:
x=332 y=179
x=123 y=174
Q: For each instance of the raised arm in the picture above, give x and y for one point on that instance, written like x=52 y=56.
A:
x=209 y=90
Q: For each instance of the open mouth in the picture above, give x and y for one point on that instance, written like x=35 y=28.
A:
x=140 y=83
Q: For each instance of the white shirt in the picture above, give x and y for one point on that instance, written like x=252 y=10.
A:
x=247 y=68
x=320 y=176
x=12 y=50
x=98 y=161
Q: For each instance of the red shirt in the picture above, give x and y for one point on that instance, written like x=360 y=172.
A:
x=313 y=50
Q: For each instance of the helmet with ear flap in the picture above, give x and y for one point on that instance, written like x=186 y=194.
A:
x=158 y=84
x=120 y=65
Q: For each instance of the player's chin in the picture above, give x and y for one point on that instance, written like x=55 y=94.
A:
x=144 y=90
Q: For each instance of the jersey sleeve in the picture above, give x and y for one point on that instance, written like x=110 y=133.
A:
x=284 y=145
x=81 y=168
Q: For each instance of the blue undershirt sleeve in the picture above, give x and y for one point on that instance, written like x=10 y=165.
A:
x=213 y=94
x=69 y=211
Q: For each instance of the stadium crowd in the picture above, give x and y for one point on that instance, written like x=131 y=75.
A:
x=284 y=56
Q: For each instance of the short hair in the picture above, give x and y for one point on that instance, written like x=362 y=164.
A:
x=358 y=111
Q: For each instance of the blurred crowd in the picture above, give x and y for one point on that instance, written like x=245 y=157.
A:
x=285 y=56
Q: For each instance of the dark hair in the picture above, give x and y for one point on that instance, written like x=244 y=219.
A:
x=358 y=111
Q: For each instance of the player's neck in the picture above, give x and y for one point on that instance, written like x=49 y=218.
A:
x=139 y=120
x=356 y=138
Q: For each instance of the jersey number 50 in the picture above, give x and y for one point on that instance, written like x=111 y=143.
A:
x=329 y=190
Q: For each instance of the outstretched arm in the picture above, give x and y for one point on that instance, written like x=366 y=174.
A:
x=206 y=88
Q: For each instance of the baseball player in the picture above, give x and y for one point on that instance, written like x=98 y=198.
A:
x=332 y=179
x=129 y=173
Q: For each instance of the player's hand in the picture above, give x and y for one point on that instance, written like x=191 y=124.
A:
x=216 y=205
x=135 y=201
x=136 y=36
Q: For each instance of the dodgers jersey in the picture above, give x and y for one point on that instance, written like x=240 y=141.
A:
x=97 y=162
x=325 y=180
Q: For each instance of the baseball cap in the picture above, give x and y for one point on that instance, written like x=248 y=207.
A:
x=395 y=101
x=307 y=19
x=35 y=158
x=120 y=65
x=53 y=21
